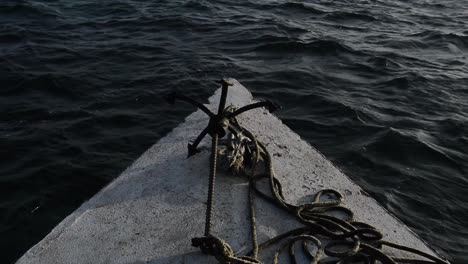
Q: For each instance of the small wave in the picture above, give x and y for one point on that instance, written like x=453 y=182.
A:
x=307 y=7
x=437 y=38
x=401 y=81
x=398 y=44
x=349 y=16
x=99 y=9
x=198 y=5
x=454 y=130
x=47 y=85
x=313 y=47
x=182 y=22
x=384 y=62
x=11 y=34
x=403 y=148
x=144 y=24
x=26 y=9
x=289 y=7
x=341 y=26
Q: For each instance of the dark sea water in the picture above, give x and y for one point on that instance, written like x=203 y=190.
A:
x=380 y=87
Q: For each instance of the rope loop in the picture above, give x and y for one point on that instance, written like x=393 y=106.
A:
x=221 y=250
x=218 y=125
x=367 y=232
x=351 y=248
x=305 y=239
x=337 y=195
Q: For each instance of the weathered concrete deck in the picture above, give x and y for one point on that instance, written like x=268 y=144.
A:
x=150 y=213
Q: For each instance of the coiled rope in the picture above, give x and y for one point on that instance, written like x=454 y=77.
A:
x=351 y=241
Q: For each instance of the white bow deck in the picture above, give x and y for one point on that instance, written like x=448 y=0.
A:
x=152 y=210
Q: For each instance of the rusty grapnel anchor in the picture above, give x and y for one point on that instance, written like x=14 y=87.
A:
x=218 y=126
x=219 y=123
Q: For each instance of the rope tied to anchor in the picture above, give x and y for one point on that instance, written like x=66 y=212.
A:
x=220 y=250
x=350 y=241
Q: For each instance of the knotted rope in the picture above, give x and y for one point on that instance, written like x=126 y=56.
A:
x=220 y=250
